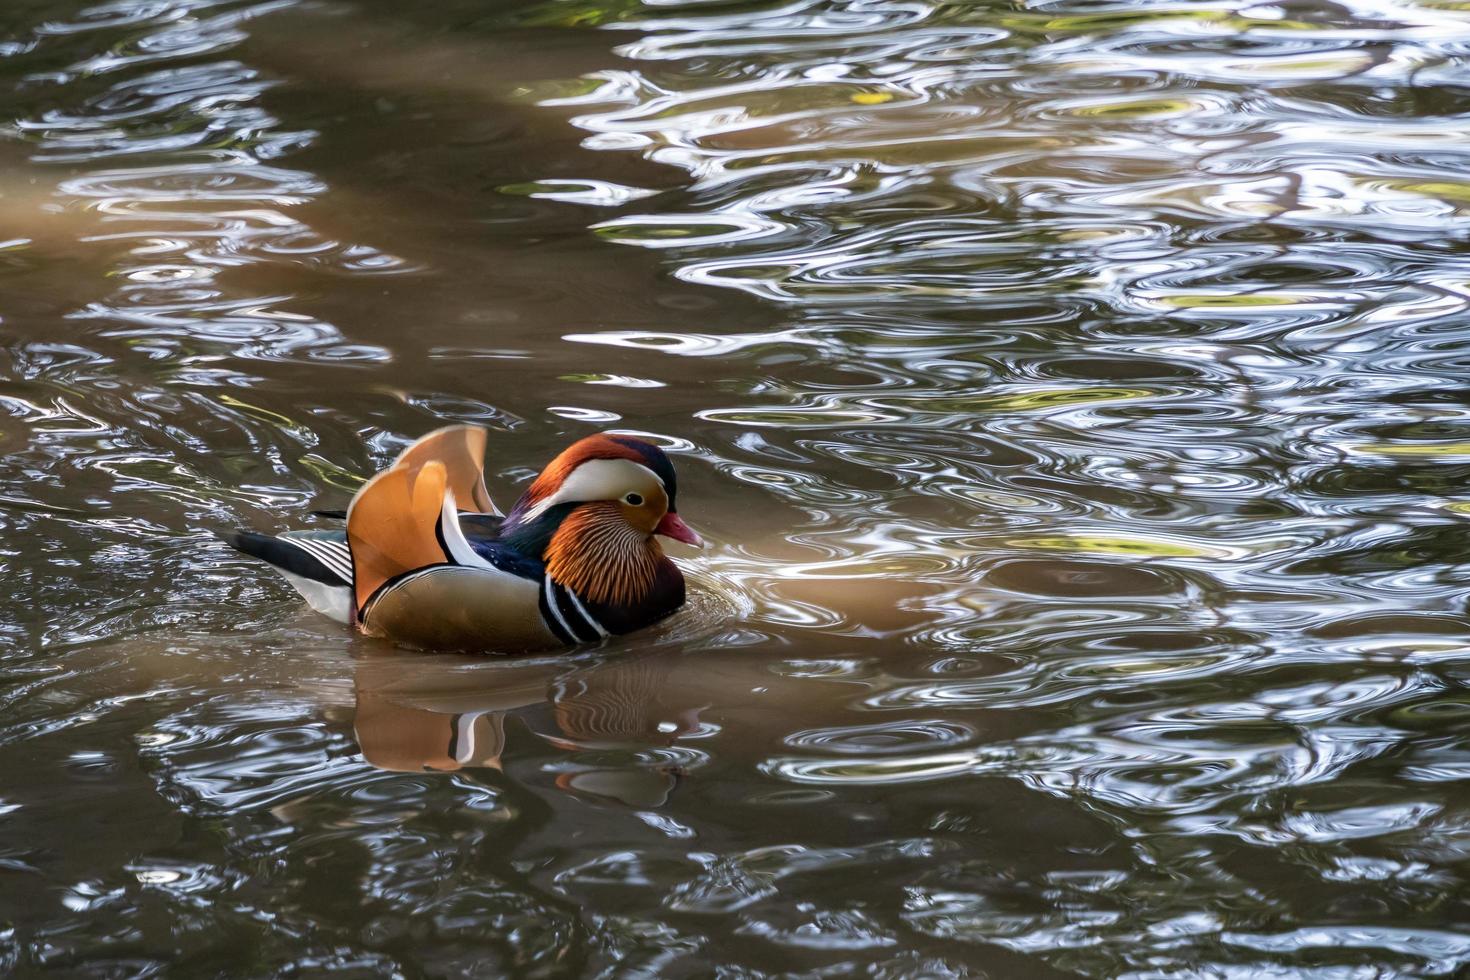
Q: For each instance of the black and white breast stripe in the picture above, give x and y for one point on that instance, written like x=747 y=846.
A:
x=566 y=616
x=333 y=554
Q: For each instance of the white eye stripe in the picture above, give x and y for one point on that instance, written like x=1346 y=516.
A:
x=596 y=479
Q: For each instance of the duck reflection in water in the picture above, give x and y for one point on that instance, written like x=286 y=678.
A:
x=446 y=713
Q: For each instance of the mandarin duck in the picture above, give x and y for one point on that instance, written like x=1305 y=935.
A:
x=427 y=559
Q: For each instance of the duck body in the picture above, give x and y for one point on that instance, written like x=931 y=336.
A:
x=575 y=561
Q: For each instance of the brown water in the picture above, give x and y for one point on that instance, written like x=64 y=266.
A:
x=1074 y=392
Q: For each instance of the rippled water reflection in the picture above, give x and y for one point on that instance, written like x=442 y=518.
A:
x=1074 y=392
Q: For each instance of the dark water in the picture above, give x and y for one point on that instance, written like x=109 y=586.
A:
x=1075 y=395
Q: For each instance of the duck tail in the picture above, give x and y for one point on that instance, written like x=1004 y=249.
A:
x=317 y=564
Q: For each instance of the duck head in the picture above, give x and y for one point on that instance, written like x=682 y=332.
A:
x=593 y=513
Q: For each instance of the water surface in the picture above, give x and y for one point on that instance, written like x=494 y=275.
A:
x=1073 y=392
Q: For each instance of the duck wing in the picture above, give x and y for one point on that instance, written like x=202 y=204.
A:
x=316 y=563
x=476 y=527
x=461 y=449
x=480 y=527
x=418 y=579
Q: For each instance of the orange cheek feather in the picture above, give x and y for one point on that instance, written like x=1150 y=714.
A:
x=598 y=555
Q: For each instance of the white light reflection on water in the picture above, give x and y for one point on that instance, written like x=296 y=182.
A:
x=1073 y=392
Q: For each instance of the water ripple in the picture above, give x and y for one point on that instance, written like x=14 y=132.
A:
x=1073 y=393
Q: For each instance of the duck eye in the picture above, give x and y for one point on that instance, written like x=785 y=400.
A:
x=633 y=499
